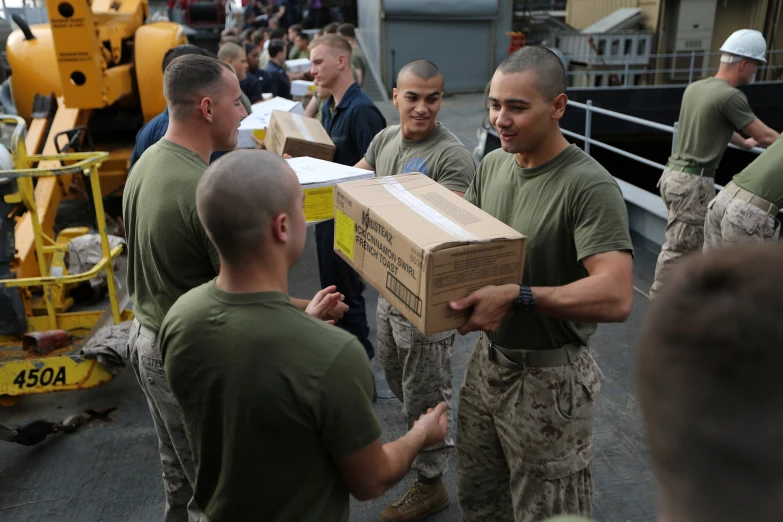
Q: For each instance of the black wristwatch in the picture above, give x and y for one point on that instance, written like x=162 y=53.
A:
x=525 y=302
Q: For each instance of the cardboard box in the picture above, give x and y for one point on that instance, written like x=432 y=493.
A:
x=318 y=178
x=298 y=136
x=422 y=246
x=298 y=66
x=256 y=123
x=302 y=88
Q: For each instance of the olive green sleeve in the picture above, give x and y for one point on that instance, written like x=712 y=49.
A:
x=600 y=221
x=456 y=169
x=473 y=194
x=737 y=110
x=346 y=420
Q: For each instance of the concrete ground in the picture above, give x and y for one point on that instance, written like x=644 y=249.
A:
x=109 y=471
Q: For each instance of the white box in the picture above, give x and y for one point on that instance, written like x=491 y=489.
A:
x=257 y=121
x=302 y=88
x=298 y=66
x=318 y=178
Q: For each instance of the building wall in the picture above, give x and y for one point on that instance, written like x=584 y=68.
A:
x=582 y=13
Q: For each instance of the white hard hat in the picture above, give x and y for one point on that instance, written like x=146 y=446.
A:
x=747 y=43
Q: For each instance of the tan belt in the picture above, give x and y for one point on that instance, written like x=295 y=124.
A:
x=521 y=359
x=738 y=192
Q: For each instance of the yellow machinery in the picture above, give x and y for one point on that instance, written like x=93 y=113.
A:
x=101 y=64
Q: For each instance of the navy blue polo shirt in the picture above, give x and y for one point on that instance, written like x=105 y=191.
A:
x=276 y=81
x=151 y=133
x=253 y=87
x=355 y=123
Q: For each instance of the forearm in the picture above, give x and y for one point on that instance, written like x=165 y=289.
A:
x=312 y=107
x=594 y=299
x=398 y=458
x=300 y=303
x=737 y=139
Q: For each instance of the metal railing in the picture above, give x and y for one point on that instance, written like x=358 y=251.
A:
x=698 y=67
x=589 y=141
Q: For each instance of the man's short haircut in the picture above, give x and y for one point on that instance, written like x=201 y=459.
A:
x=257 y=38
x=297 y=28
x=249 y=48
x=190 y=78
x=549 y=70
x=277 y=34
x=347 y=30
x=182 y=50
x=246 y=34
x=304 y=37
x=331 y=28
x=710 y=370
x=229 y=39
x=230 y=51
x=336 y=42
x=276 y=47
x=423 y=69
x=238 y=197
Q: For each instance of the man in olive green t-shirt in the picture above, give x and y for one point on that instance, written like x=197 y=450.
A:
x=169 y=252
x=525 y=419
x=277 y=405
x=418 y=366
x=746 y=209
x=712 y=110
x=358 y=58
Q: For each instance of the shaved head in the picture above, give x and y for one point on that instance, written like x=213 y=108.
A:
x=230 y=51
x=239 y=197
x=423 y=69
x=190 y=78
x=549 y=71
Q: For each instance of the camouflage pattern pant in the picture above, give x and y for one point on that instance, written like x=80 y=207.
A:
x=178 y=468
x=731 y=220
x=524 y=439
x=418 y=370
x=686 y=197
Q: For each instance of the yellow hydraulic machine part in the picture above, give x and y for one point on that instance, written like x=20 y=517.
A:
x=23 y=372
x=102 y=63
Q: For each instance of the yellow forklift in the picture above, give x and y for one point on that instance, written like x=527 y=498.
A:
x=82 y=85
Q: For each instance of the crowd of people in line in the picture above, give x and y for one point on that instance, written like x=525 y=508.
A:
x=263 y=402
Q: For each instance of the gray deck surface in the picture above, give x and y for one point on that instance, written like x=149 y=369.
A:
x=109 y=471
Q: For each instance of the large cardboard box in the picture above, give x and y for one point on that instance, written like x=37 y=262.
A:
x=318 y=178
x=298 y=136
x=422 y=246
x=256 y=123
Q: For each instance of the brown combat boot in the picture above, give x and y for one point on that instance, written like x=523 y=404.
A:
x=426 y=496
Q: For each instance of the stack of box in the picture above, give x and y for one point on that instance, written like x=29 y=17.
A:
x=301 y=65
x=318 y=179
x=256 y=123
x=422 y=246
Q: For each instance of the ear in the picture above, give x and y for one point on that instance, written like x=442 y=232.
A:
x=281 y=228
x=559 y=106
x=207 y=108
x=394 y=97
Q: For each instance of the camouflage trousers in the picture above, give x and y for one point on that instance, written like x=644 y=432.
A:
x=732 y=220
x=686 y=197
x=178 y=468
x=524 y=439
x=418 y=370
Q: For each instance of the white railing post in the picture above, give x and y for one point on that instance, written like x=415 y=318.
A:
x=674 y=135
x=693 y=64
x=588 y=124
x=627 y=69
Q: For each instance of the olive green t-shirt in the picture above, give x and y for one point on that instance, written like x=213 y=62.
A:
x=271 y=399
x=169 y=252
x=359 y=61
x=764 y=177
x=441 y=156
x=569 y=208
x=711 y=111
x=296 y=53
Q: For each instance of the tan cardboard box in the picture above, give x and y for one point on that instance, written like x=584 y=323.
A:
x=298 y=136
x=256 y=123
x=422 y=246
